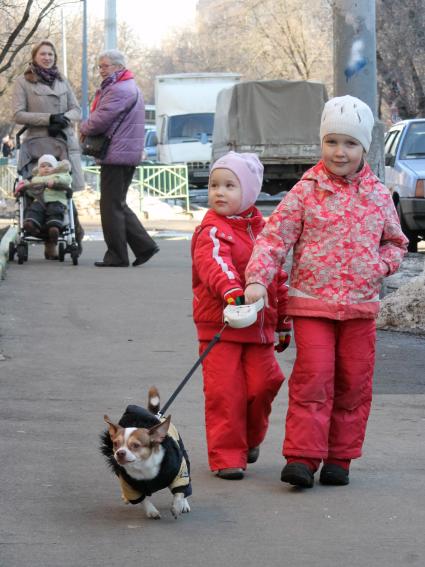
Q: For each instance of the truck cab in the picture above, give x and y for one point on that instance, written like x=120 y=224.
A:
x=185 y=108
x=187 y=138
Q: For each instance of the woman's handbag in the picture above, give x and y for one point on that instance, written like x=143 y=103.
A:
x=97 y=146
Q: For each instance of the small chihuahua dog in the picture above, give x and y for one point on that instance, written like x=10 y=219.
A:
x=147 y=454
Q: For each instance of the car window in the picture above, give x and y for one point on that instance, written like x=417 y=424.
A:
x=389 y=139
x=151 y=139
x=190 y=126
x=391 y=142
x=414 y=142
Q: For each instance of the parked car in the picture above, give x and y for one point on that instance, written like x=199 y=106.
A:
x=151 y=142
x=405 y=176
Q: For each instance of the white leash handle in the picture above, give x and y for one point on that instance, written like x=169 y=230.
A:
x=240 y=316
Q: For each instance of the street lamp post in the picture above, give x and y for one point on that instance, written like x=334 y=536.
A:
x=110 y=24
x=84 y=71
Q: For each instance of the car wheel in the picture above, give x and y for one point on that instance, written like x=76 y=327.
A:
x=410 y=234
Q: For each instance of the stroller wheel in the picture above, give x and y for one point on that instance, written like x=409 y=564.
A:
x=61 y=251
x=12 y=251
x=22 y=252
x=74 y=256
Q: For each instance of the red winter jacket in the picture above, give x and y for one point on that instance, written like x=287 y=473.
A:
x=221 y=248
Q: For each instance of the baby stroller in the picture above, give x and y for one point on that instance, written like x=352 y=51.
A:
x=27 y=158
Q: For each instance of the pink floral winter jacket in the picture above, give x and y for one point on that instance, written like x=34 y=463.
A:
x=346 y=237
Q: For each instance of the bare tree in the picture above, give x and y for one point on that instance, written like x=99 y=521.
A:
x=271 y=38
x=20 y=22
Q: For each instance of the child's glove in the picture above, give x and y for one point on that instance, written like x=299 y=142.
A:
x=284 y=340
x=284 y=332
x=19 y=186
x=234 y=296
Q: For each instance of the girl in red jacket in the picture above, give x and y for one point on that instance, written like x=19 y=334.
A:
x=346 y=236
x=241 y=374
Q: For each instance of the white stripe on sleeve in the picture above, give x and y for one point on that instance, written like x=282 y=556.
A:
x=216 y=254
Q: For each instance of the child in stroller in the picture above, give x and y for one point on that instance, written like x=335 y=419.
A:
x=49 y=189
x=71 y=234
x=32 y=194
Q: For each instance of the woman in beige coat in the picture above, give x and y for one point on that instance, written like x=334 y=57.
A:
x=43 y=101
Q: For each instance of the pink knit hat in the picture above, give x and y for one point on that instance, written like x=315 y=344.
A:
x=249 y=170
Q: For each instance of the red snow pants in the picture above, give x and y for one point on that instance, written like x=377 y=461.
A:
x=240 y=382
x=330 y=388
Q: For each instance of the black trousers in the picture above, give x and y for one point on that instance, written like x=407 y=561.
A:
x=119 y=224
x=45 y=215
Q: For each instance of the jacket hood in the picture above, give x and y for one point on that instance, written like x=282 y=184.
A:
x=254 y=218
x=365 y=178
x=63 y=167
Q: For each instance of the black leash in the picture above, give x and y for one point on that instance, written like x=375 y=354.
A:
x=210 y=345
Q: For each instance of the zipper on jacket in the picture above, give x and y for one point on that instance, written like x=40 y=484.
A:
x=251 y=234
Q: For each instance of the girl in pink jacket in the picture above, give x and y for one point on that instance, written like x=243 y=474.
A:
x=346 y=237
x=241 y=374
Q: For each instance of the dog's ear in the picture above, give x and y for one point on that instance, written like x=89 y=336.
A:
x=157 y=433
x=113 y=427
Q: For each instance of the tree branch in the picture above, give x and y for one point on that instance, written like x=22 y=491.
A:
x=50 y=6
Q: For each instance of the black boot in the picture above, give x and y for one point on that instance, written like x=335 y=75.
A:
x=334 y=475
x=297 y=474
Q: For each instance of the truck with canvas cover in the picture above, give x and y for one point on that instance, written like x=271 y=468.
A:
x=278 y=120
x=185 y=107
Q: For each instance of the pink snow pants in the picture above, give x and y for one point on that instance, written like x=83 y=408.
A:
x=330 y=388
x=240 y=382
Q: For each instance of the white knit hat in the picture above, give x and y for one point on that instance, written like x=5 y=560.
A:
x=48 y=158
x=350 y=116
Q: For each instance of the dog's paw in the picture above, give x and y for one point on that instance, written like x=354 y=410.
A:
x=180 y=505
x=124 y=499
x=153 y=514
x=151 y=511
x=186 y=507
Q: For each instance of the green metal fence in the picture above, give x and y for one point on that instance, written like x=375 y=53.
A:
x=7 y=179
x=166 y=182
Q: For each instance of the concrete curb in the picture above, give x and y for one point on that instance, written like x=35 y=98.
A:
x=9 y=236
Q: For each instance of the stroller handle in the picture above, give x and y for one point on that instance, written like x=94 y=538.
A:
x=18 y=136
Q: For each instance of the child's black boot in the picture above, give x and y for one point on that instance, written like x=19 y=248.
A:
x=297 y=474
x=334 y=475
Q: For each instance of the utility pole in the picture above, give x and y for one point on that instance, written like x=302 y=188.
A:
x=110 y=24
x=354 y=27
x=84 y=73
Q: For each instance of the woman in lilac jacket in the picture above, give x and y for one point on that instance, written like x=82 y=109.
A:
x=119 y=96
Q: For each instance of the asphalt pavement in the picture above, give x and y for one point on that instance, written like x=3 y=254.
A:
x=78 y=341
